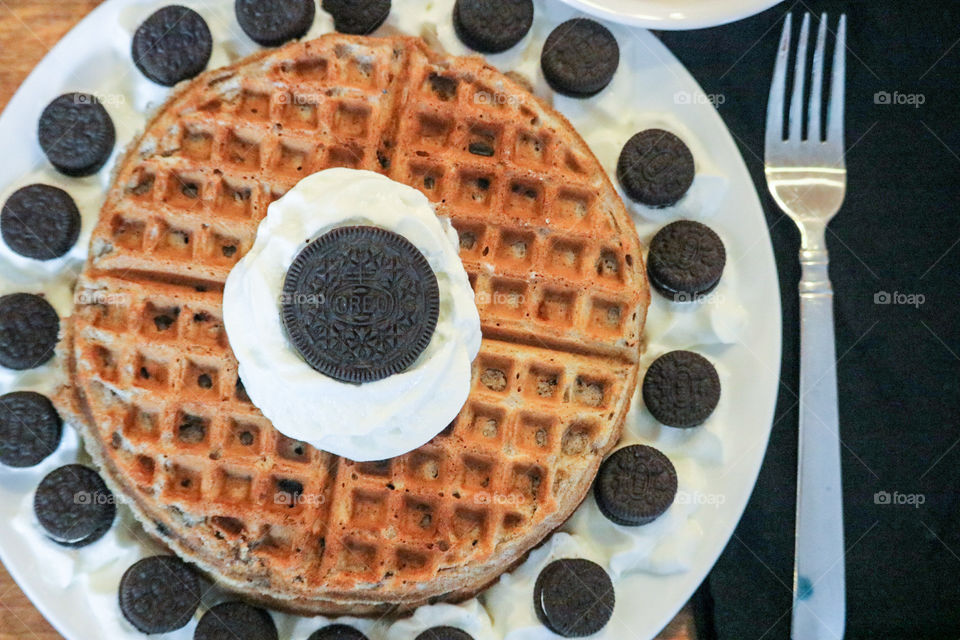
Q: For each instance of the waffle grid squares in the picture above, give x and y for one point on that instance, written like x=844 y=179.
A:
x=554 y=281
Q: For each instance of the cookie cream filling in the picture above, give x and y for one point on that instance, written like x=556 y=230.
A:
x=374 y=420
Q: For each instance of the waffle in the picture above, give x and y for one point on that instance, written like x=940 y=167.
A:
x=551 y=253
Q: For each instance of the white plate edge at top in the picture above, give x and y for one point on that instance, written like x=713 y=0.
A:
x=673 y=15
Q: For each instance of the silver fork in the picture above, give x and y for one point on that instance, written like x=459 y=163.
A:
x=808 y=180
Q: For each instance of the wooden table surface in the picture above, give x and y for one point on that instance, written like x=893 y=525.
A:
x=28 y=29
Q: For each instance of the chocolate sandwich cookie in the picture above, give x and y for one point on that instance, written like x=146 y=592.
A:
x=173 y=44
x=28 y=331
x=681 y=389
x=159 y=594
x=686 y=260
x=40 y=222
x=76 y=134
x=574 y=597
x=579 y=58
x=337 y=632
x=236 y=621
x=74 y=506
x=655 y=168
x=444 y=633
x=358 y=17
x=635 y=485
x=273 y=22
x=492 y=26
x=30 y=428
x=360 y=303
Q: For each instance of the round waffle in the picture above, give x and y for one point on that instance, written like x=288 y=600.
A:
x=552 y=256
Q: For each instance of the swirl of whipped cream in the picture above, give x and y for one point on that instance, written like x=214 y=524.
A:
x=375 y=420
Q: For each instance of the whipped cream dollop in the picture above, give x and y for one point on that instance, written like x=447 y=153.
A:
x=374 y=420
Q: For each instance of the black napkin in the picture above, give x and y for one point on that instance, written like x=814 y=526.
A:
x=898 y=233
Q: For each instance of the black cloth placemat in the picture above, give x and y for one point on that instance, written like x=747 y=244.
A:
x=899 y=370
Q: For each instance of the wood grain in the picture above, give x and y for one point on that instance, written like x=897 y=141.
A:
x=28 y=29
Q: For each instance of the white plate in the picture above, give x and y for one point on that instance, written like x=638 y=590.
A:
x=76 y=591
x=673 y=15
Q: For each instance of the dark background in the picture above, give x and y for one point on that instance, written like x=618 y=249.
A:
x=898 y=231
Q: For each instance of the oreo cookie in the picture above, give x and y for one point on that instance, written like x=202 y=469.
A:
x=76 y=134
x=159 y=594
x=273 y=22
x=74 y=506
x=635 y=485
x=358 y=17
x=360 y=303
x=579 y=58
x=173 y=44
x=337 y=632
x=30 y=428
x=444 y=633
x=40 y=222
x=574 y=597
x=492 y=26
x=686 y=260
x=681 y=389
x=236 y=621
x=28 y=331
x=655 y=168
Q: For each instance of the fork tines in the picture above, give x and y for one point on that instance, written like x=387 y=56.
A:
x=775 y=106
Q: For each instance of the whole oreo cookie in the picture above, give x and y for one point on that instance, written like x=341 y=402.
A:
x=173 y=44
x=159 y=594
x=30 y=428
x=273 y=22
x=686 y=260
x=236 y=621
x=28 y=331
x=358 y=17
x=337 y=632
x=76 y=134
x=492 y=26
x=635 y=485
x=579 y=58
x=40 y=222
x=74 y=505
x=574 y=597
x=681 y=389
x=444 y=633
x=360 y=303
x=655 y=168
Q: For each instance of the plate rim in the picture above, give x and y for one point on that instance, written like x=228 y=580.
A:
x=653 y=14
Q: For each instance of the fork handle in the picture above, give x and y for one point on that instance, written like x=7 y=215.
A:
x=818 y=589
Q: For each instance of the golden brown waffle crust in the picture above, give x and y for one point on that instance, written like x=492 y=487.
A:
x=584 y=357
